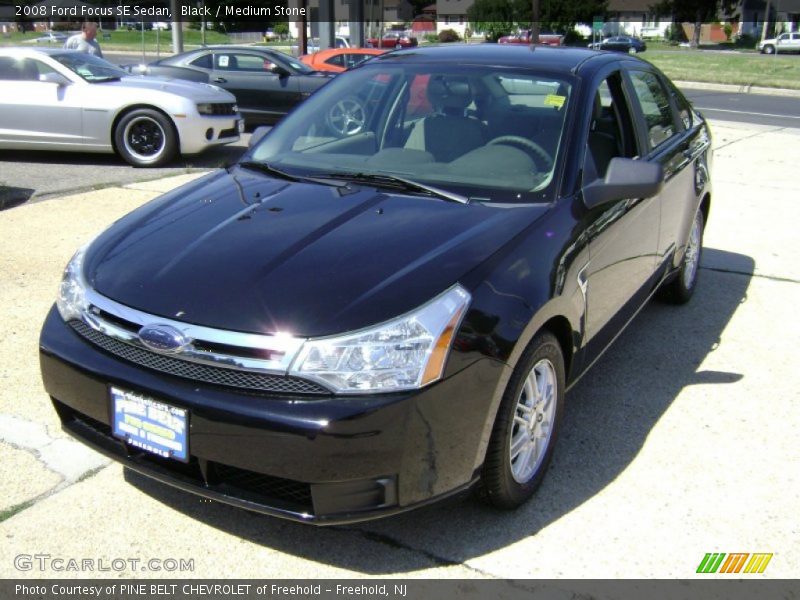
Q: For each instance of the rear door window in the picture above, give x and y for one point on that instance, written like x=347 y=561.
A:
x=654 y=103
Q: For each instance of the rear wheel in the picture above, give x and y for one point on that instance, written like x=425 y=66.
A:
x=632 y=50
x=526 y=426
x=145 y=138
x=768 y=49
x=680 y=289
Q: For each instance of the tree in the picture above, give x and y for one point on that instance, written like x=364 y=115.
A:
x=496 y=18
x=505 y=16
x=694 y=11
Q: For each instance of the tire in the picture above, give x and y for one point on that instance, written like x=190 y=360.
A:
x=679 y=289
x=519 y=453
x=768 y=49
x=145 y=138
x=632 y=50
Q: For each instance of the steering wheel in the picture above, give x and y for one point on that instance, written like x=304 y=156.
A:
x=535 y=149
x=347 y=117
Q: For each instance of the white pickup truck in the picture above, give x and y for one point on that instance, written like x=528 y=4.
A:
x=785 y=42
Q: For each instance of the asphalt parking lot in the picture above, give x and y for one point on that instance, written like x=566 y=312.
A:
x=681 y=441
x=22 y=180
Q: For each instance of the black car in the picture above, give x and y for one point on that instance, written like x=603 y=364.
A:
x=622 y=43
x=384 y=302
x=267 y=83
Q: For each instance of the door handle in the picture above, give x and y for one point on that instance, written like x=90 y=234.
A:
x=220 y=80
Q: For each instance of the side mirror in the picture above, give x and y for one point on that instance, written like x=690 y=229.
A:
x=53 y=77
x=279 y=71
x=258 y=135
x=625 y=178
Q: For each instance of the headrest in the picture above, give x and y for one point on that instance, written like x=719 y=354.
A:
x=449 y=92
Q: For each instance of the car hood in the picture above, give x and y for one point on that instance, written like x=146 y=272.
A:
x=188 y=89
x=240 y=251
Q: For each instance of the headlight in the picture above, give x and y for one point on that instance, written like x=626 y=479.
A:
x=402 y=354
x=71 y=301
x=205 y=108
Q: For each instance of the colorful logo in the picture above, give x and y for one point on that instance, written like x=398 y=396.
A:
x=741 y=562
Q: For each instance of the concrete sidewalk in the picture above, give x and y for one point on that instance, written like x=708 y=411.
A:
x=680 y=441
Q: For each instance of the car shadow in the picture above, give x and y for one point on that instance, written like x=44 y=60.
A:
x=215 y=157
x=609 y=415
x=14 y=196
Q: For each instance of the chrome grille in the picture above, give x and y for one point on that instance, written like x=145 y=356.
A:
x=198 y=372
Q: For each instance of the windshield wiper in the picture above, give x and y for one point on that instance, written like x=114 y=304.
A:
x=401 y=183
x=268 y=169
x=106 y=79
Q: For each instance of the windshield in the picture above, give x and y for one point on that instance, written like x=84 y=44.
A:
x=91 y=68
x=487 y=133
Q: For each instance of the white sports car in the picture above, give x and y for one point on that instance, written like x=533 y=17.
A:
x=64 y=100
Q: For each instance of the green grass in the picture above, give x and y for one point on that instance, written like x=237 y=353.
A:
x=738 y=68
x=123 y=39
x=18 y=508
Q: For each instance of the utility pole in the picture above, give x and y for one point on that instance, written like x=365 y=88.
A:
x=177 y=31
x=535 y=22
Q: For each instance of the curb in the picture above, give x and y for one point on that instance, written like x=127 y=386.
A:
x=739 y=89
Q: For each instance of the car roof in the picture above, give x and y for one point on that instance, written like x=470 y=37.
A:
x=551 y=58
x=328 y=52
x=33 y=50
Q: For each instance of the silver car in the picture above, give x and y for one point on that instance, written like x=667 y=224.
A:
x=64 y=100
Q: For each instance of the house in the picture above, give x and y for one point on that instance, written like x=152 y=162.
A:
x=452 y=14
x=634 y=17
x=784 y=15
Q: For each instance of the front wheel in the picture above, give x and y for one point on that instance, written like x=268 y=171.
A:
x=680 y=289
x=526 y=426
x=145 y=138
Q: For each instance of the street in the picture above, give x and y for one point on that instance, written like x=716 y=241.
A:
x=775 y=111
x=680 y=441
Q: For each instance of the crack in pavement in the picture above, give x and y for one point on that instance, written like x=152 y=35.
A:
x=749 y=137
x=396 y=544
x=748 y=274
x=70 y=460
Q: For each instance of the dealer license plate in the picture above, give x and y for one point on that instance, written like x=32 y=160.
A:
x=150 y=425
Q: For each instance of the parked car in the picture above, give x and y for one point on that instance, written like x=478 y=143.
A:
x=337 y=60
x=785 y=42
x=340 y=41
x=621 y=43
x=381 y=306
x=51 y=37
x=392 y=39
x=65 y=100
x=267 y=83
x=524 y=37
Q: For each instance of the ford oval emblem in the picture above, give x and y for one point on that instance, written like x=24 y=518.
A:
x=163 y=338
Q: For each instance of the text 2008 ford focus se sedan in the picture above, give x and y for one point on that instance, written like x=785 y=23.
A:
x=384 y=302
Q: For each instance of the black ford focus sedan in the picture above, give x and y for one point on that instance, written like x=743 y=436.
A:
x=384 y=302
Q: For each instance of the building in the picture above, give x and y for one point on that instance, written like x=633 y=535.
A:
x=452 y=14
x=634 y=17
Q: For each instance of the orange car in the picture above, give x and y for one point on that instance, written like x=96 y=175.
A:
x=339 y=59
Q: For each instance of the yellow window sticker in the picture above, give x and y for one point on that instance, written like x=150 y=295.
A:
x=554 y=100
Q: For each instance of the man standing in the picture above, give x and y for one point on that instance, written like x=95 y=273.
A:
x=85 y=40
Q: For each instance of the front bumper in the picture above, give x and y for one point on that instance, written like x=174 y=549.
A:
x=321 y=460
x=198 y=132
